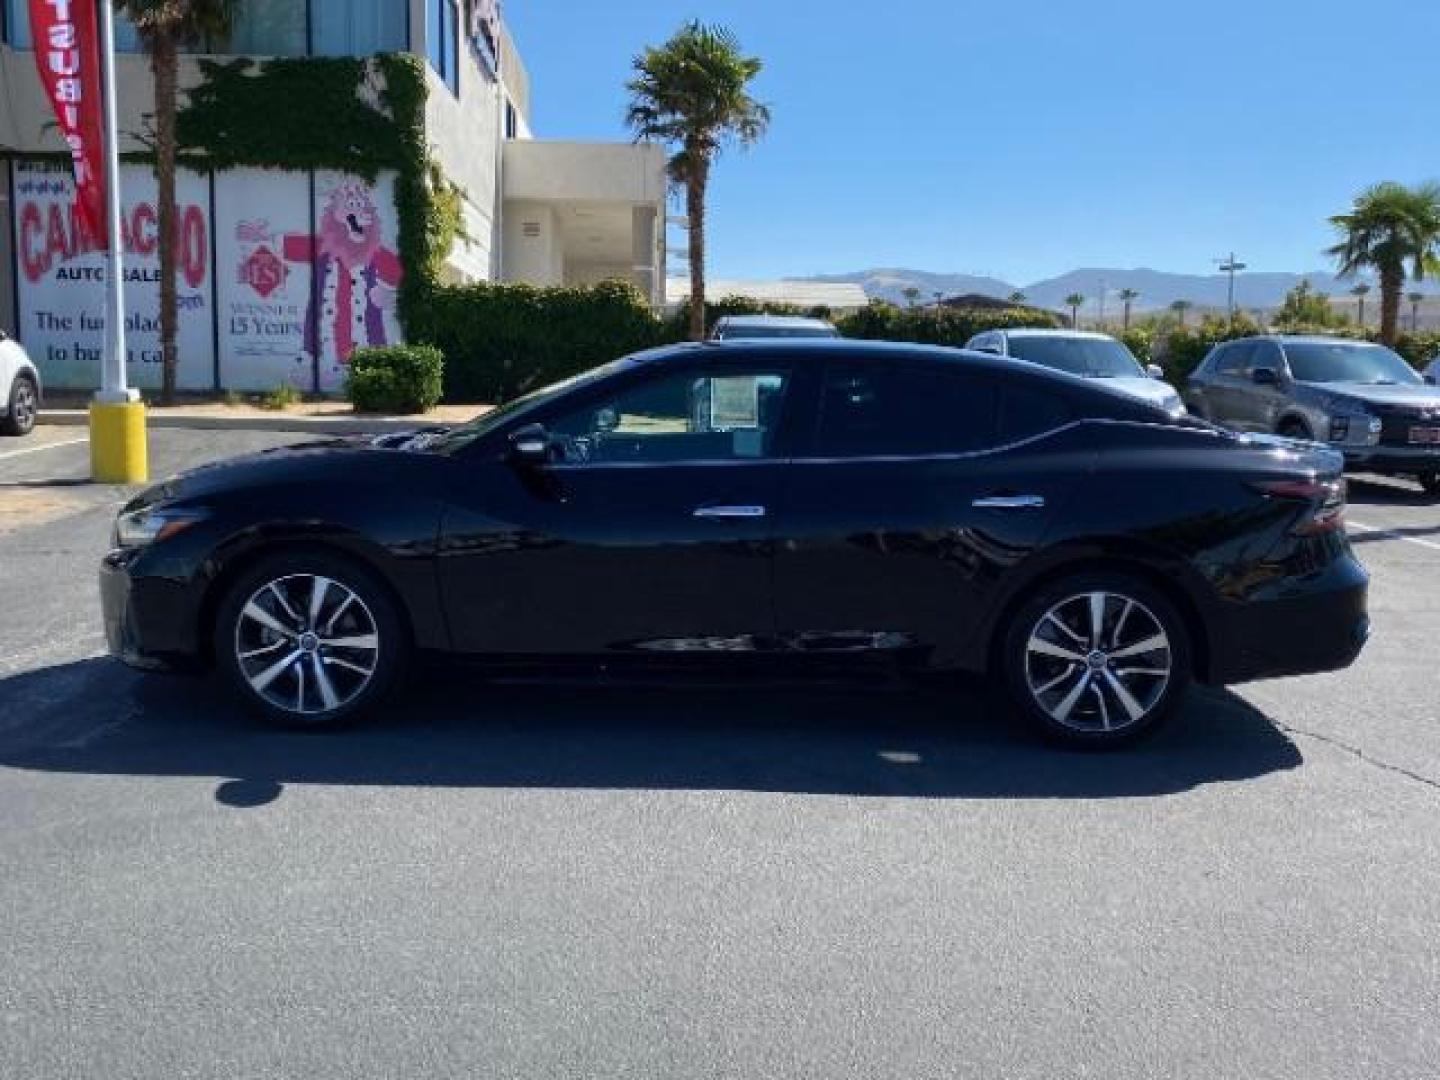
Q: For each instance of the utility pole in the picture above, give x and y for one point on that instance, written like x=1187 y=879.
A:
x=1102 y=304
x=1231 y=266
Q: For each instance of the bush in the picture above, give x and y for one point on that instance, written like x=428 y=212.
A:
x=280 y=399
x=395 y=379
x=501 y=340
x=881 y=321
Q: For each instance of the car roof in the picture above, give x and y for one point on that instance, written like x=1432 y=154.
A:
x=1301 y=339
x=794 y=322
x=1026 y=332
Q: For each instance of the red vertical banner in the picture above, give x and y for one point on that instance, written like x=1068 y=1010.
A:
x=67 y=52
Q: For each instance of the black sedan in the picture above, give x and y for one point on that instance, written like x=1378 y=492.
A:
x=734 y=503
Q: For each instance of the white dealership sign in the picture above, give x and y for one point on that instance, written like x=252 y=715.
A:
x=61 y=278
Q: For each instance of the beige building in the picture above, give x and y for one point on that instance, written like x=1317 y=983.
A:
x=538 y=211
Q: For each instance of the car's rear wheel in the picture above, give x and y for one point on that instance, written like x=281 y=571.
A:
x=310 y=639
x=1295 y=429
x=24 y=406
x=1431 y=483
x=1097 y=659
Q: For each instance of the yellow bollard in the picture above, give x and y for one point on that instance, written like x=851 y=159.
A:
x=117 y=443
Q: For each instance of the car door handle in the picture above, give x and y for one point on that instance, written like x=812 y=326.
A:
x=1010 y=502
x=723 y=512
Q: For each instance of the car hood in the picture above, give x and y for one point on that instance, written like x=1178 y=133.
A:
x=353 y=458
x=1384 y=394
x=1155 y=391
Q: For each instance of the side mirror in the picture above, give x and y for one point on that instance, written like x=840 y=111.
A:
x=1155 y=371
x=1264 y=376
x=1433 y=380
x=530 y=445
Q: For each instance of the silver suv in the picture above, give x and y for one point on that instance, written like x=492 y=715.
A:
x=1361 y=399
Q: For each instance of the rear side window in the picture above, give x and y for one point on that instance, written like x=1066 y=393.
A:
x=905 y=411
x=1027 y=411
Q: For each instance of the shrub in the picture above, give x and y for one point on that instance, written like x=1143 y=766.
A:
x=1140 y=340
x=501 y=340
x=881 y=321
x=395 y=379
x=280 y=399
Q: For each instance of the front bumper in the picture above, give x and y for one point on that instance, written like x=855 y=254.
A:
x=1314 y=624
x=1393 y=459
x=148 y=621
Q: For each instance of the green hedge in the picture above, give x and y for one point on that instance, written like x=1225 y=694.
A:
x=881 y=321
x=395 y=379
x=502 y=340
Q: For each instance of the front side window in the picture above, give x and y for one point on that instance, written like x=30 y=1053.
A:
x=1234 y=360
x=687 y=416
x=898 y=411
x=1348 y=362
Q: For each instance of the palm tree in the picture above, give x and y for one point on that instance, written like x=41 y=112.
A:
x=1415 y=298
x=1073 y=302
x=1128 y=297
x=1180 y=307
x=164 y=27
x=1019 y=297
x=1360 y=292
x=911 y=294
x=692 y=93
x=1394 y=231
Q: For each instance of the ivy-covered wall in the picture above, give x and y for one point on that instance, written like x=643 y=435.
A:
x=357 y=115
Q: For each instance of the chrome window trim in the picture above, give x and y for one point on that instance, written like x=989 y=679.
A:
x=873 y=459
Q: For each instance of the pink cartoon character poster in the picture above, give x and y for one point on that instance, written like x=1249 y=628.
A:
x=357 y=274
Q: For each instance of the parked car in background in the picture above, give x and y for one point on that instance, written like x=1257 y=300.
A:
x=19 y=389
x=1089 y=355
x=726 y=504
x=755 y=327
x=1362 y=399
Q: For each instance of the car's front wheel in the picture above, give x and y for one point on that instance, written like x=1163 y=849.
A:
x=1431 y=483
x=23 y=406
x=1097 y=659
x=309 y=639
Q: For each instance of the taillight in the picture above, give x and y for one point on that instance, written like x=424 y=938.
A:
x=1325 y=497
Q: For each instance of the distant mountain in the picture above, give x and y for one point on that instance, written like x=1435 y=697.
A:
x=1157 y=288
x=890 y=284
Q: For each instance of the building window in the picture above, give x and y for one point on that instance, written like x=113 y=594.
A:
x=17 y=28
x=442 y=38
x=359 y=27
x=266 y=28
x=512 y=121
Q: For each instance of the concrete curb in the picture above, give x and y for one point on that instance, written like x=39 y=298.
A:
x=314 y=425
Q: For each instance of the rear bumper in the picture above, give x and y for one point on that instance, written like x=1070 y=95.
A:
x=1313 y=624
x=146 y=618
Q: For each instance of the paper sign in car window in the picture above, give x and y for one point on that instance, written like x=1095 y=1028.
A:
x=735 y=403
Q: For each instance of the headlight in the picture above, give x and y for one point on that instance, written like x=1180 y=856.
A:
x=151 y=524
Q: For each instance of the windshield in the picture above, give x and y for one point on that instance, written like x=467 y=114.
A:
x=1348 y=362
x=737 y=333
x=1095 y=358
x=458 y=438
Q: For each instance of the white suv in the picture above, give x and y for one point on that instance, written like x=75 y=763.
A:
x=19 y=389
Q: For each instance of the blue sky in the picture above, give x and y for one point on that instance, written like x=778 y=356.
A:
x=1026 y=139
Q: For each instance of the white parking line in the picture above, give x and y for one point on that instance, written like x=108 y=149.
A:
x=1392 y=534
x=46 y=446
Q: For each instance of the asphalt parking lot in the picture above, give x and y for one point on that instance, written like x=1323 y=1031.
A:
x=586 y=881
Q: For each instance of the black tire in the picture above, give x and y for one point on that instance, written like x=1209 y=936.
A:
x=323 y=686
x=1047 y=689
x=1296 y=429
x=1431 y=483
x=22 y=406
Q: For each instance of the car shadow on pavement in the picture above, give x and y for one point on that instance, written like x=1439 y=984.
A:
x=955 y=741
x=1385 y=491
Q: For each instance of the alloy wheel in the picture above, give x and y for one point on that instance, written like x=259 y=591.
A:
x=1098 y=662
x=306 y=644
x=23 y=405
